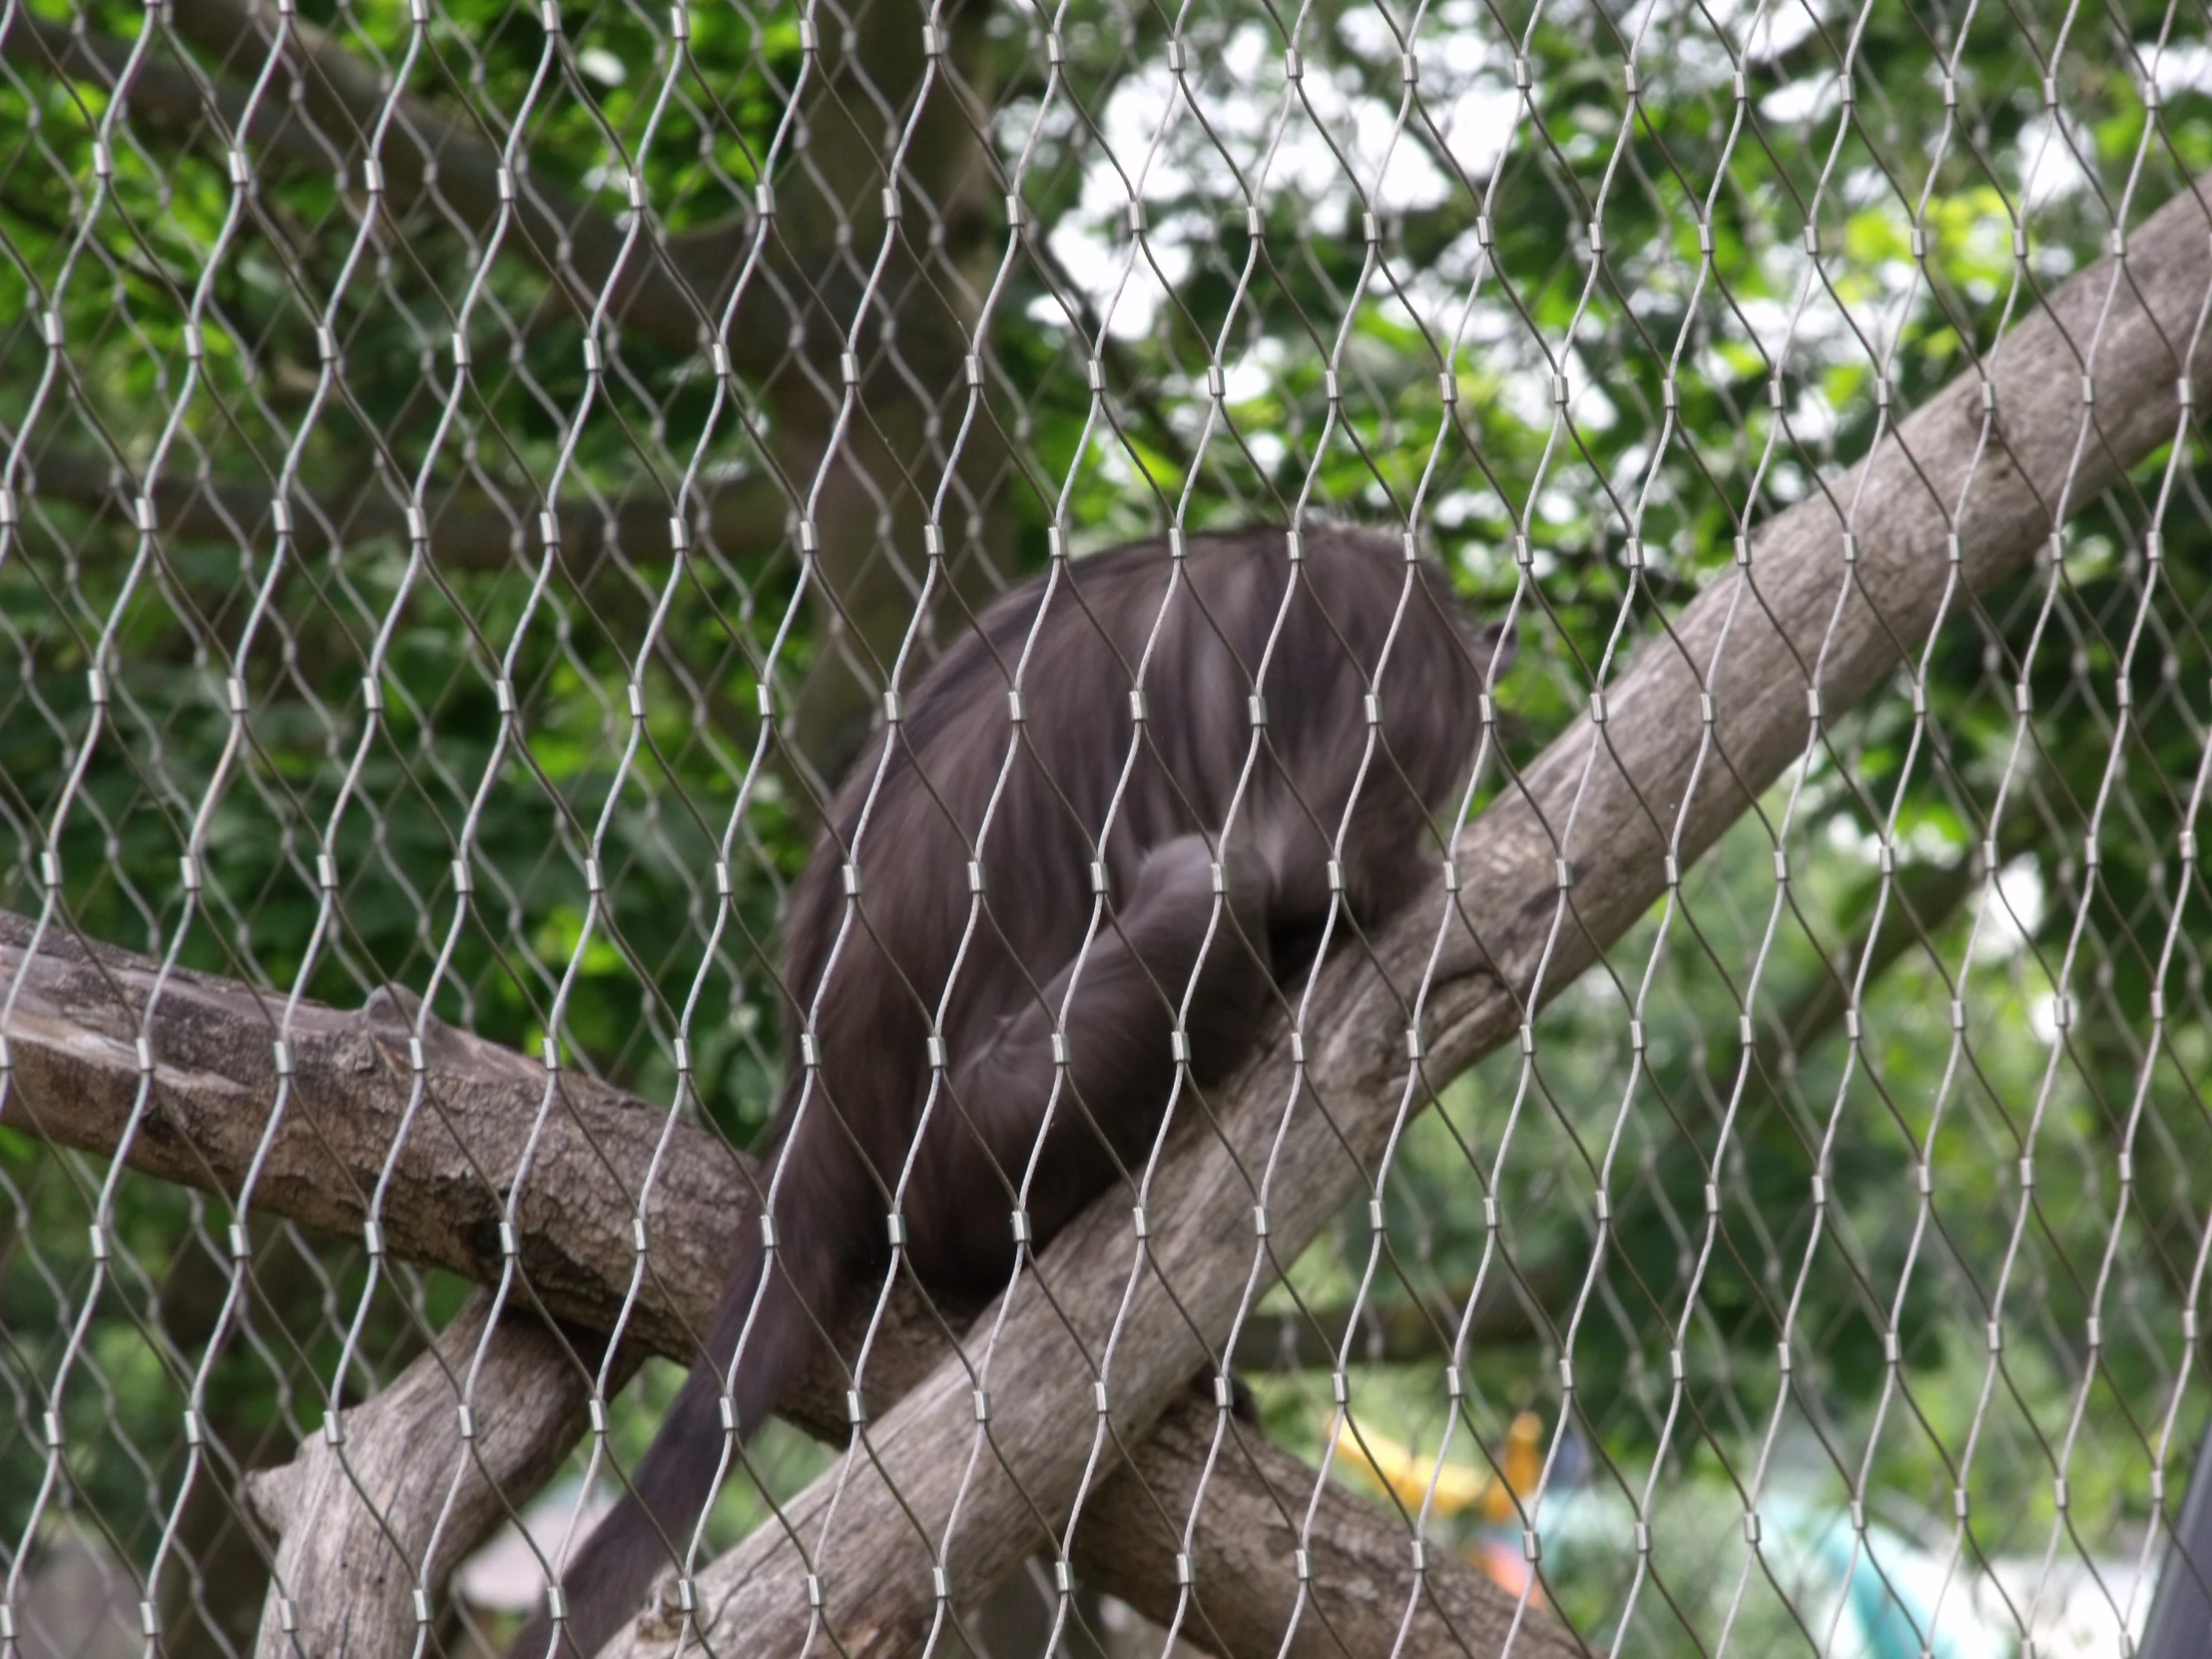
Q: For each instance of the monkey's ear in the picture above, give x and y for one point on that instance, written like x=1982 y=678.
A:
x=1497 y=643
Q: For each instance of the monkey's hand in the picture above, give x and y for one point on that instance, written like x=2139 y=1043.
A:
x=1167 y=961
x=1214 y=965
x=1278 y=848
x=1178 y=876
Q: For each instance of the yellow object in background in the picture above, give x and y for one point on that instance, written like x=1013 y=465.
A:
x=1407 y=1474
x=1459 y=1491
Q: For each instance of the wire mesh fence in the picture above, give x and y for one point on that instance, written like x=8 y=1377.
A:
x=476 y=479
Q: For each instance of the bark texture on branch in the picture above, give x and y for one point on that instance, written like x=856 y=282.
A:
x=402 y=1498
x=1958 y=499
x=1952 y=502
x=347 y=1111
x=73 y=1018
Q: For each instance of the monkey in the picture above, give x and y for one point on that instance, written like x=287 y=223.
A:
x=1099 y=839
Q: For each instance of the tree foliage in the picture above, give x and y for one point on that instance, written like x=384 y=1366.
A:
x=1583 y=295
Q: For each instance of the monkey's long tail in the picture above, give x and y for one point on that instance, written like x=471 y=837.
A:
x=649 y=1529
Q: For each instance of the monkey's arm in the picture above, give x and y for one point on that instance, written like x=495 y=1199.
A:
x=1119 y=1023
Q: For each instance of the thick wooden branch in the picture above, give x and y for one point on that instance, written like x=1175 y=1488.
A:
x=400 y=1498
x=1115 y=1316
x=1364 y=1590
x=71 y=1016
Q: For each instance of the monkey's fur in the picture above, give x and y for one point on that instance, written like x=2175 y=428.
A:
x=867 y=973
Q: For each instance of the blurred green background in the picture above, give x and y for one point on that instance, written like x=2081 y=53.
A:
x=1347 y=294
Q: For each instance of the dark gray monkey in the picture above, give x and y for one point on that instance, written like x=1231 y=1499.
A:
x=1361 y=619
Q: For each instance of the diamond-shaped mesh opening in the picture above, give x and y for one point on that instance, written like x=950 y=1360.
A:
x=497 y=506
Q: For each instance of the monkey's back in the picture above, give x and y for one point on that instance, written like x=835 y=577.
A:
x=1035 y=795
x=1259 y=760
